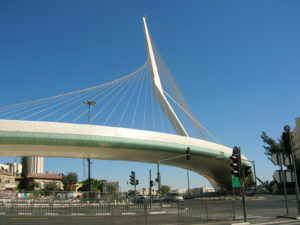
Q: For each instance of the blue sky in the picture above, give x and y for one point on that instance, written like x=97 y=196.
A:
x=237 y=63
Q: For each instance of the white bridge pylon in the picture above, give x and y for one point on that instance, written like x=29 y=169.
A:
x=158 y=89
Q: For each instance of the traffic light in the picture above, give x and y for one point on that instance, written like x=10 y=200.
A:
x=157 y=179
x=132 y=177
x=235 y=162
x=188 y=153
x=136 y=182
x=151 y=183
x=286 y=139
x=247 y=171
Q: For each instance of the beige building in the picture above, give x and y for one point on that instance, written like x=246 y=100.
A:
x=145 y=191
x=43 y=178
x=7 y=180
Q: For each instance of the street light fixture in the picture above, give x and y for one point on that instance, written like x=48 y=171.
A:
x=89 y=103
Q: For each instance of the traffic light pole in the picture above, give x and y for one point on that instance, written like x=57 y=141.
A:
x=159 y=183
x=283 y=178
x=241 y=169
x=150 y=189
x=188 y=181
x=287 y=130
x=134 y=180
x=244 y=201
x=89 y=174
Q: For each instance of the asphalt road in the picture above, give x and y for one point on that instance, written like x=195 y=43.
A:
x=268 y=206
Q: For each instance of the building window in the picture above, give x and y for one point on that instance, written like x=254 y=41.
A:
x=7 y=181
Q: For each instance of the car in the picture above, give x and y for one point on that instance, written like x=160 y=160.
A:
x=173 y=197
x=140 y=198
x=251 y=191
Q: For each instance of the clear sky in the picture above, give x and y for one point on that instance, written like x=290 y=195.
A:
x=237 y=63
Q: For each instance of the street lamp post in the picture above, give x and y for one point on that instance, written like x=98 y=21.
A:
x=89 y=103
x=188 y=181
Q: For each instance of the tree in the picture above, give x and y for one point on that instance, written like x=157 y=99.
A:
x=23 y=185
x=271 y=146
x=31 y=185
x=109 y=188
x=52 y=186
x=96 y=185
x=165 y=190
x=69 y=179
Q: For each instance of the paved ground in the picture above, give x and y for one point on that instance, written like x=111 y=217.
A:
x=267 y=209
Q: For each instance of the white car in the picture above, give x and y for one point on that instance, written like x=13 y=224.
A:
x=174 y=197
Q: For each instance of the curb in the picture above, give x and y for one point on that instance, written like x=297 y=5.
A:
x=244 y=223
x=290 y=217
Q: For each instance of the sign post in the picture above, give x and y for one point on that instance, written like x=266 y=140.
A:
x=279 y=175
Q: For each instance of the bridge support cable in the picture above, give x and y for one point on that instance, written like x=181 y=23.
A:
x=120 y=89
x=129 y=101
x=63 y=104
x=59 y=107
x=172 y=91
x=145 y=101
x=19 y=105
x=138 y=100
x=120 y=100
x=197 y=125
x=99 y=98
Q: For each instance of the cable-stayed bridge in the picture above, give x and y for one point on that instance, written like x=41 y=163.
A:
x=140 y=117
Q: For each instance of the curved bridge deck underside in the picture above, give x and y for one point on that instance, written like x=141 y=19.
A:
x=66 y=140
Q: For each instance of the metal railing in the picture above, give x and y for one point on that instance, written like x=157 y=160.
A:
x=187 y=212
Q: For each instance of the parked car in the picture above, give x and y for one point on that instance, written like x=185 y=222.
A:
x=173 y=197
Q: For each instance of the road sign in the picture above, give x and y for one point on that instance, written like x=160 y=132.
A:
x=277 y=158
x=280 y=175
x=287 y=160
x=289 y=175
x=281 y=159
x=235 y=182
x=277 y=176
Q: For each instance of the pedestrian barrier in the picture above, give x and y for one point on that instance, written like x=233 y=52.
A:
x=186 y=212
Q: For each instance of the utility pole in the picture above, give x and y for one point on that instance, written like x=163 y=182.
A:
x=89 y=103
